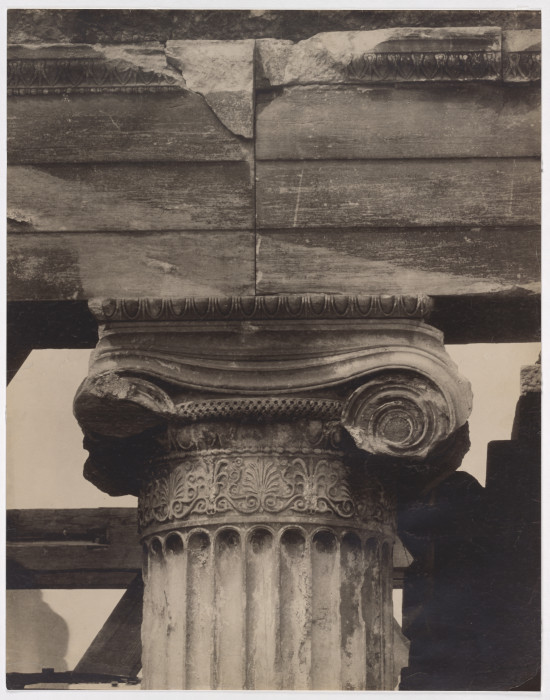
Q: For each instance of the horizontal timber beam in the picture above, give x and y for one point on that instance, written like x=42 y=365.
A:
x=72 y=548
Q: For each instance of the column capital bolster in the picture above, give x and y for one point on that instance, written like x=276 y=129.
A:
x=372 y=364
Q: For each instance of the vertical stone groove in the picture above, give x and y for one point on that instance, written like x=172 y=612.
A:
x=228 y=611
x=176 y=603
x=353 y=647
x=200 y=594
x=386 y=608
x=262 y=608
x=370 y=598
x=295 y=610
x=325 y=614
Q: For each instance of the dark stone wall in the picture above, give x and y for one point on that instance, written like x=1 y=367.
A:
x=123 y=26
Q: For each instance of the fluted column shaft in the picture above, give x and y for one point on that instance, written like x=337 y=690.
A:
x=267 y=560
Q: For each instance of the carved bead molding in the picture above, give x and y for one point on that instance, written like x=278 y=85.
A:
x=59 y=76
x=387 y=379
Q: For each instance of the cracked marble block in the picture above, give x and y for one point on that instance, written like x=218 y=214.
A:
x=266 y=439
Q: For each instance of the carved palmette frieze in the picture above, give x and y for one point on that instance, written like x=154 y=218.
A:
x=62 y=74
x=253 y=484
x=521 y=66
x=216 y=374
x=511 y=66
x=424 y=66
x=45 y=76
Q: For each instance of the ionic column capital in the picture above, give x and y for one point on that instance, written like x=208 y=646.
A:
x=370 y=363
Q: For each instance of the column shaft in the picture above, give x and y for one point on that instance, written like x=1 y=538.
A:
x=267 y=608
x=267 y=561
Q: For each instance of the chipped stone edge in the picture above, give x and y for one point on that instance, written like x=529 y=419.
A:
x=228 y=89
x=151 y=58
x=341 y=57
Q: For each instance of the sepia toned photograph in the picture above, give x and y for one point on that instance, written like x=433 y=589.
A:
x=273 y=350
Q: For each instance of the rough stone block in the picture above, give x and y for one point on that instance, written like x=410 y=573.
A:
x=223 y=72
x=530 y=379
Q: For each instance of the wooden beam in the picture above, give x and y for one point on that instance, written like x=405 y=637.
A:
x=100 y=526
x=116 y=649
x=20 y=578
x=16 y=356
x=45 y=324
x=48 y=679
x=507 y=317
x=72 y=548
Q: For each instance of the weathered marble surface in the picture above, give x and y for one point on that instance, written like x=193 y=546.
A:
x=223 y=73
x=437 y=261
x=80 y=266
x=118 y=197
x=366 y=122
x=341 y=57
x=331 y=156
